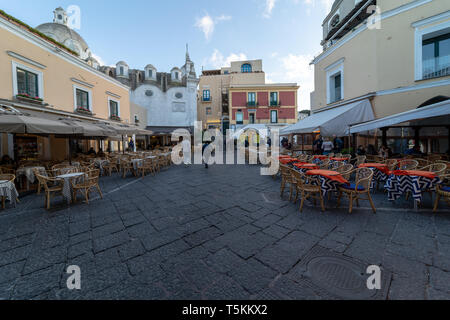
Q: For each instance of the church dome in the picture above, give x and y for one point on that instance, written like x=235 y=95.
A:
x=60 y=31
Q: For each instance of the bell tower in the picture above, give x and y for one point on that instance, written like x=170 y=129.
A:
x=60 y=16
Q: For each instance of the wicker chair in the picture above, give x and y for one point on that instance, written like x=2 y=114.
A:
x=307 y=187
x=337 y=155
x=6 y=170
x=442 y=191
x=325 y=164
x=286 y=178
x=408 y=164
x=111 y=166
x=356 y=190
x=422 y=162
x=359 y=160
x=89 y=183
x=391 y=164
x=346 y=171
x=45 y=173
x=126 y=166
x=147 y=166
x=51 y=186
x=331 y=155
x=437 y=168
x=337 y=165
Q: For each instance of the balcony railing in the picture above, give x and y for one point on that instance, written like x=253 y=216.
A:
x=275 y=103
x=436 y=67
x=208 y=99
x=252 y=104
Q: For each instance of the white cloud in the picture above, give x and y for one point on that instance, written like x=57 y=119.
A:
x=99 y=59
x=270 y=4
x=326 y=4
x=296 y=68
x=217 y=59
x=207 y=24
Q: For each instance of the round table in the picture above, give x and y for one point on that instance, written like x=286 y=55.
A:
x=67 y=186
x=9 y=191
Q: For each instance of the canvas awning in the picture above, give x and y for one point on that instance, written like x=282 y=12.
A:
x=333 y=121
x=261 y=129
x=19 y=123
x=88 y=129
x=434 y=110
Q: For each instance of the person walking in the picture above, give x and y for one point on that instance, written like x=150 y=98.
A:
x=327 y=146
x=207 y=154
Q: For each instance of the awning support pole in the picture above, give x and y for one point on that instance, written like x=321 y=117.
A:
x=384 y=137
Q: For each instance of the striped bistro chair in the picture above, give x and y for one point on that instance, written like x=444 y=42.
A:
x=356 y=190
x=442 y=191
x=307 y=188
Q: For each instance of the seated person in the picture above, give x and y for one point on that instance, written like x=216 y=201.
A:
x=91 y=151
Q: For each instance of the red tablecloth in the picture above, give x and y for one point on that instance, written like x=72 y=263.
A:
x=284 y=157
x=321 y=157
x=302 y=165
x=416 y=173
x=329 y=174
x=338 y=159
x=287 y=160
x=380 y=166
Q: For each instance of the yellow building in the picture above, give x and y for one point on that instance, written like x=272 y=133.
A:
x=43 y=77
x=393 y=54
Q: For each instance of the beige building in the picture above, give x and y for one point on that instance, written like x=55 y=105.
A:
x=213 y=107
x=43 y=77
x=396 y=54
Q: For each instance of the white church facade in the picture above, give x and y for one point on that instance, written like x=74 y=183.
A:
x=170 y=98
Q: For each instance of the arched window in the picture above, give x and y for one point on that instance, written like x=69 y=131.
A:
x=246 y=68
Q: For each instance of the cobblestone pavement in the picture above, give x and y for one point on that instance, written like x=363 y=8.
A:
x=221 y=233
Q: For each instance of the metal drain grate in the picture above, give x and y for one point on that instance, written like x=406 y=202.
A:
x=340 y=276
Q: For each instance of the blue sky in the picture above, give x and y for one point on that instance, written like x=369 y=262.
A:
x=286 y=34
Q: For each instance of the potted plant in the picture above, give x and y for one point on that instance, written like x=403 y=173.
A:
x=114 y=117
x=26 y=97
x=83 y=110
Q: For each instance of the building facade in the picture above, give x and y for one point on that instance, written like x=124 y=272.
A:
x=43 y=77
x=169 y=99
x=274 y=105
x=213 y=95
x=394 y=53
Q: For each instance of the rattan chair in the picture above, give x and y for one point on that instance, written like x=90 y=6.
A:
x=408 y=164
x=126 y=166
x=90 y=182
x=6 y=170
x=148 y=166
x=346 y=171
x=356 y=190
x=307 y=187
x=286 y=178
x=111 y=166
x=325 y=164
x=336 y=165
x=442 y=191
x=422 y=162
x=51 y=186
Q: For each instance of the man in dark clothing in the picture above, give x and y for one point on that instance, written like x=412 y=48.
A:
x=338 y=144
x=317 y=144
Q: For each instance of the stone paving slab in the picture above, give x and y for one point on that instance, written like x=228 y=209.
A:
x=221 y=233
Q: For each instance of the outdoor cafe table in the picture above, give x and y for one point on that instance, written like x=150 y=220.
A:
x=99 y=163
x=137 y=163
x=29 y=174
x=288 y=160
x=8 y=190
x=319 y=158
x=329 y=180
x=414 y=181
x=303 y=167
x=67 y=186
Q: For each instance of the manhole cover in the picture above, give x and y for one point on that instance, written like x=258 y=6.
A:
x=340 y=276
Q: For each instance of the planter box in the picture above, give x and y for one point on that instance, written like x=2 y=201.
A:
x=82 y=111
x=30 y=100
x=115 y=118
